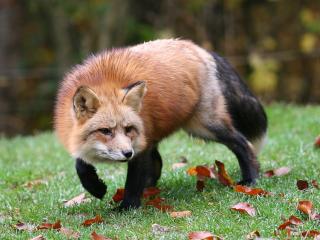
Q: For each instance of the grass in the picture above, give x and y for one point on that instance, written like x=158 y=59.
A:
x=290 y=143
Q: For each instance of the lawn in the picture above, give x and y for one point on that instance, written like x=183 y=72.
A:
x=292 y=131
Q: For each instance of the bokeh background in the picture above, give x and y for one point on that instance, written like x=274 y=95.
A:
x=275 y=45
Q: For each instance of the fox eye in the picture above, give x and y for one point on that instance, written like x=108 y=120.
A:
x=129 y=129
x=105 y=131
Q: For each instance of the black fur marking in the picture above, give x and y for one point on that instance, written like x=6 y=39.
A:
x=237 y=143
x=247 y=114
x=89 y=179
x=143 y=171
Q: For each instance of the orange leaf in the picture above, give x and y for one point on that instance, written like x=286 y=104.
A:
x=302 y=184
x=192 y=171
x=56 y=225
x=244 y=208
x=155 y=201
x=250 y=191
x=305 y=207
x=180 y=214
x=150 y=191
x=95 y=236
x=311 y=233
x=223 y=177
x=317 y=142
x=89 y=222
x=118 y=196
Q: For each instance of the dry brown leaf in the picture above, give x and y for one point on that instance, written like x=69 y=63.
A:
x=200 y=185
x=180 y=214
x=203 y=235
x=69 y=233
x=302 y=184
x=253 y=235
x=251 y=191
x=317 y=142
x=39 y=237
x=89 y=222
x=223 y=176
x=45 y=226
x=118 y=196
x=150 y=191
x=311 y=233
x=315 y=184
x=95 y=236
x=277 y=172
x=24 y=226
x=305 y=207
x=76 y=200
x=33 y=183
x=244 y=208
x=178 y=165
x=291 y=221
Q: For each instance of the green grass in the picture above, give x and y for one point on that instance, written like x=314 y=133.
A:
x=290 y=143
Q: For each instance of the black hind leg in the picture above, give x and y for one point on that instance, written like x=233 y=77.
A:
x=239 y=145
x=89 y=179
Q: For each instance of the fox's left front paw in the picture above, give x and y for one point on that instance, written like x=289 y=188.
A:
x=128 y=204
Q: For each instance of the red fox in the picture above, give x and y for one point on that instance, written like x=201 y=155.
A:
x=118 y=105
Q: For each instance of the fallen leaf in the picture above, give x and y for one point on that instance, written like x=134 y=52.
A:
x=305 y=207
x=45 y=226
x=118 y=196
x=202 y=235
x=201 y=170
x=200 y=185
x=251 y=191
x=302 y=184
x=311 y=233
x=223 y=176
x=315 y=184
x=24 y=226
x=291 y=221
x=317 y=142
x=33 y=183
x=155 y=201
x=39 y=237
x=277 y=172
x=95 y=236
x=89 y=222
x=180 y=214
x=158 y=229
x=244 y=208
x=150 y=191
x=253 y=235
x=192 y=171
x=69 y=233
x=315 y=216
x=76 y=200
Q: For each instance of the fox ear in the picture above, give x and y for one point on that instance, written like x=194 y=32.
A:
x=133 y=95
x=85 y=103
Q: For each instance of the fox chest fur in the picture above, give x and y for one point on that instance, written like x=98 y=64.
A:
x=119 y=104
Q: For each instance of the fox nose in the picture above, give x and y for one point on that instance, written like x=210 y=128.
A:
x=128 y=153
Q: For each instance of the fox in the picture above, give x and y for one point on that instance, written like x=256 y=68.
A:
x=117 y=106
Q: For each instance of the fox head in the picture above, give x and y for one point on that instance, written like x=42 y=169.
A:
x=108 y=128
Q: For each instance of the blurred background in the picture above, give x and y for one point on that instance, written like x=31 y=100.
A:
x=275 y=45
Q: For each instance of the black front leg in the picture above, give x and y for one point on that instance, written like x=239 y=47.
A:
x=137 y=175
x=89 y=179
